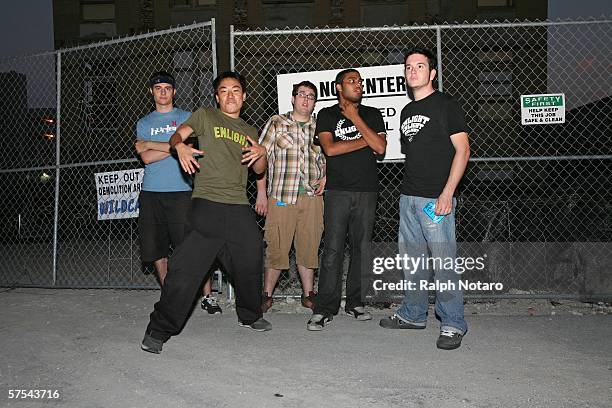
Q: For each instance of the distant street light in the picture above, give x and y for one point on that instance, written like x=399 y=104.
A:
x=45 y=177
x=48 y=122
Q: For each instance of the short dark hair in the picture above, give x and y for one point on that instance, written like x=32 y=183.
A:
x=431 y=58
x=229 y=74
x=343 y=73
x=307 y=84
x=161 y=77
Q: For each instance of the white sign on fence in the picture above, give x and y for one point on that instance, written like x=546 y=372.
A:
x=384 y=87
x=544 y=109
x=118 y=193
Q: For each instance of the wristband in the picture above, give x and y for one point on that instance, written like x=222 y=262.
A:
x=173 y=145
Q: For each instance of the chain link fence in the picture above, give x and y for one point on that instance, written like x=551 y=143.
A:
x=535 y=199
x=28 y=163
x=66 y=116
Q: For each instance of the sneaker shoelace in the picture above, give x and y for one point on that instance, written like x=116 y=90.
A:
x=212 y=301
x=448 y=333
x=316 y=318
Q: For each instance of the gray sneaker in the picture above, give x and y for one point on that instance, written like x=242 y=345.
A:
x=318 y=321
x=359 y=313
x=449 y=340
x=394 y=322
x=151 y=344
x=259 y=325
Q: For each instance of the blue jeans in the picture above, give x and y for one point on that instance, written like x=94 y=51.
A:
x=418 y=235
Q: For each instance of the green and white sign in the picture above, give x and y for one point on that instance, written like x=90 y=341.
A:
x=545 y=109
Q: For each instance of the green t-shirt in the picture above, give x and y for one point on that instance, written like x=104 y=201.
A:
x=221 y=178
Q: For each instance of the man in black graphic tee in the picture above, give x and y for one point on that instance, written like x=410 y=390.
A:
x=435 y=141
x=352 y=135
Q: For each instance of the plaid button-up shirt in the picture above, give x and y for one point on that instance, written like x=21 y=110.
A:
x=292 y=156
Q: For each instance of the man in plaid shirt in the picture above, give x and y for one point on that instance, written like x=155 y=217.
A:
x=293 y=202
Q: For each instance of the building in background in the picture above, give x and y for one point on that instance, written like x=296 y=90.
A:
x=491 y=87
x=82 y=21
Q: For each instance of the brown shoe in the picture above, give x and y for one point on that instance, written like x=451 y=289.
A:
x=308 y=301
x=266 y=302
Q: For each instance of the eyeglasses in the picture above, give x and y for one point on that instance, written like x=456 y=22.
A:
x=310 y=97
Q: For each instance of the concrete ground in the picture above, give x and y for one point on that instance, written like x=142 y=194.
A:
x=86 y=345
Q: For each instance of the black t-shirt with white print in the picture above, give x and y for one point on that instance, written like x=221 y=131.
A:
x=425 y=129
x=354 y=171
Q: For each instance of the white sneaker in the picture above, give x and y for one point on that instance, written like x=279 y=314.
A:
x=210 y=304
x=318 y=321
x=359 y=313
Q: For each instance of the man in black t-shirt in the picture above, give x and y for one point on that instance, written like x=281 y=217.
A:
x=352 y=135
x=435 y=141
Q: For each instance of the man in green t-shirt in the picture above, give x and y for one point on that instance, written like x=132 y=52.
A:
x=221 y=222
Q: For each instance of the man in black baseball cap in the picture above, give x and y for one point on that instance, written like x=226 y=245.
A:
x=161 y=77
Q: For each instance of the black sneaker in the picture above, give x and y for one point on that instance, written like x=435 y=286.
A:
x=359 y=313
x=210 y=304
x=151 y=344
x=449 y=340
x=318 y=321
x=394 y=322
x=259 y=325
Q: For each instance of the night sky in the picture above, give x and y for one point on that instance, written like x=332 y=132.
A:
x=27 y=26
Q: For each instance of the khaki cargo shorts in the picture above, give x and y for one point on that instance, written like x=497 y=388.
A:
x=301 y=224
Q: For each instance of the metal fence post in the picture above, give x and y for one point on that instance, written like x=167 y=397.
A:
x=213 y=35
x=58 y=119
x=232 y=65
x=230 y=288
x=439 y=56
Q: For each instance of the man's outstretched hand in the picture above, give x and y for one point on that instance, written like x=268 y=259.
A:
x=252 y=153
x=185 y=155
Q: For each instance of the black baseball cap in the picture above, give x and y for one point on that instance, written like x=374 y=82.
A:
x=161 y=77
